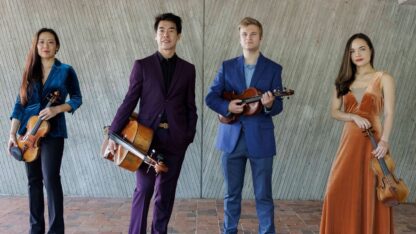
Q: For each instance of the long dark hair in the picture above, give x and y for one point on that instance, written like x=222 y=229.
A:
x=33 y=67
x=347 y=70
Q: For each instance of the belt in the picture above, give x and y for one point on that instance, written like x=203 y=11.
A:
x=164 y=125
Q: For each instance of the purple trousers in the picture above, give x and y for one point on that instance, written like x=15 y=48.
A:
x=162 y=186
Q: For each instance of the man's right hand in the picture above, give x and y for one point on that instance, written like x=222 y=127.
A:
x=112 y=146
x=236 y=107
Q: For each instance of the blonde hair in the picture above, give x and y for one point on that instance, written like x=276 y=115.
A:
x=251 y=21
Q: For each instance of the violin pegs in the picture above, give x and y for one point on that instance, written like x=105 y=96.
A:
x=368 y=132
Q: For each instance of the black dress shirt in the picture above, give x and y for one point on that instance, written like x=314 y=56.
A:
x=168 y=68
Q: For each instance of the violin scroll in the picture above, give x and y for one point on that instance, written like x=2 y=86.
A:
x=53 y=97
x=285 y=93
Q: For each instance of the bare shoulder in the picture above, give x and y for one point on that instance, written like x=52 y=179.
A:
x=386 y=77
x=387 y=80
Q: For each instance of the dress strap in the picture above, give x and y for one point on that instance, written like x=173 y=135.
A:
x=377 y=81
x=380 y=74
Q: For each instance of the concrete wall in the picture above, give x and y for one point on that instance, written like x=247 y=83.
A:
x=102 y=38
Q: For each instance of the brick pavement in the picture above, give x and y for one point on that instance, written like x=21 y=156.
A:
x=111 y=216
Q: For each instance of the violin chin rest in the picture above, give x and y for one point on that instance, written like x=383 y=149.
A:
x=16 y=153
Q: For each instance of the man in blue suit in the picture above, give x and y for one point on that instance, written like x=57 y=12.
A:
x=249 y=137
x=165 y=86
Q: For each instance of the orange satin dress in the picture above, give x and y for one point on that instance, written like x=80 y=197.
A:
x=350 y=204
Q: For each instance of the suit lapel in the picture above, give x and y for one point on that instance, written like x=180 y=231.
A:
x=176 y=76
x=241 y=78
x=258 y=71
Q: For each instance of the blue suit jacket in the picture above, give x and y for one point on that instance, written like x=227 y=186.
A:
x=63 y=78
x=259 y=128
x=147 y=85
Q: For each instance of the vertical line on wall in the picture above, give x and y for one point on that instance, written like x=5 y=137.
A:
x=202 y=100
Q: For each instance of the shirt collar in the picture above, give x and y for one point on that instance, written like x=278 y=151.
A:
x=250 y=66
x=161 y=58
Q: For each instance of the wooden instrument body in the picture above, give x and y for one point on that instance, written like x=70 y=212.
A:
x=251 y=97
x=139 y=136
x=36 y=129
x=28 y=143
x=251 y=108
x=390 y=190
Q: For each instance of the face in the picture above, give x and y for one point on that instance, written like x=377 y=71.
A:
x=360 y=52
x=46 y=45
x=166 y=35
x=250 y=37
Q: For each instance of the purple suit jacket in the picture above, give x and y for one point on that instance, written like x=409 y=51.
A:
x=147 y=85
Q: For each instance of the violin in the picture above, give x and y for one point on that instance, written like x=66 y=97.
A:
x=133 y=144
x=36 y=129
x=390 y=190
x=251 y=97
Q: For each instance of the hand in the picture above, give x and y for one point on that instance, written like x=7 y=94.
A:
x=361 y=122
x=236 y=107
x=112 y=146
x=381 y=149
x=12 y=142
x=267 y=99
x=48 y=113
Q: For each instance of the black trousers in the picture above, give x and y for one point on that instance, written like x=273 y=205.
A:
x=45 y=170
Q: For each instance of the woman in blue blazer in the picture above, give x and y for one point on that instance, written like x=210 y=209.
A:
x=44 y=74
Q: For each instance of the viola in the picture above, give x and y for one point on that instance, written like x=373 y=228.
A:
x=251 y=97
x=36 y=129
x=133 y=144
x=390 y=190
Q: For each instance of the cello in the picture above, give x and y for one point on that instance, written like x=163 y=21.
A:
x=133 y=144
x=251 y=97
x=37 y=128
x=390 y=190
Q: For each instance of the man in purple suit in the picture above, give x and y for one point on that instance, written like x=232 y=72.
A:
x=165 y=86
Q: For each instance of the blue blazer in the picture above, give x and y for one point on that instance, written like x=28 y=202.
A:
x=259 y=128
x=63 y=78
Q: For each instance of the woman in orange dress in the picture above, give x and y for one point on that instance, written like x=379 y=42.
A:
x=361 y=94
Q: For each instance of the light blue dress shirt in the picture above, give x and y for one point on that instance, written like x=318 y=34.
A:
x=248 y=73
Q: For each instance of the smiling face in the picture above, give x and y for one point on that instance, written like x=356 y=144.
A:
x=360 y=52
x=46 y=45
x=167 y=35
x=250 y=37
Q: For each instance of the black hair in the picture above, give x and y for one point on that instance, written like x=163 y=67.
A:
x=169 y=17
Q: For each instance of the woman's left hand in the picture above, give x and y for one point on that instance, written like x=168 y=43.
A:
x=381 y=149
x=48 y=113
